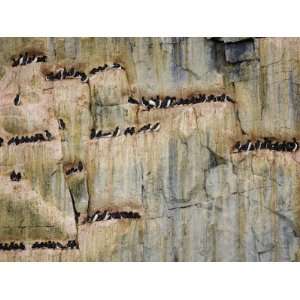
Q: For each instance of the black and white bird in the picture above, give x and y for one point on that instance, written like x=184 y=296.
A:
x=117 y=66
x=296 y=145
x=48 y=135
x=17 y=100
x=116 y=132
x=61 y=124
x=107 y=135
x=80 y=166
x=84 y=78
x=145 y=103
x=1 y=141
x=93 y=133
x=133 y=101
x=129 y=130
x=145 y=128
x=237 y=146
x=155 y=127
x=152 y=103
x=11 y=141
x=42 y=58
x=229 y=99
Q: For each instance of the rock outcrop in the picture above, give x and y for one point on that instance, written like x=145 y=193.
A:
x=197 y=199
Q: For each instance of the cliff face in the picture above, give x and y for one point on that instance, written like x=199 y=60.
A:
x=197 y=199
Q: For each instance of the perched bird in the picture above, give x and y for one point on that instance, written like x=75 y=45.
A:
x=1 y=141
x=48 y=135
x=94 y=71
x=117 y=66
x=116 y=132
x=84 y=78
x=50 y=77
x=129 y=130
x=15 y=62
x=93 y=133
x=237 y=146
x=229 y=99
x=61 y=124
x=133 y=101
x=145 y=128
x=155 y=127
x=145 y=103
x=157 y=102
x=296 y=145
x=80 y=166
x=17 y=100
x=152 y=103
x=106 y=135
x=99 y=134
x=13 y=176
x=11 y=141
x=42 y=58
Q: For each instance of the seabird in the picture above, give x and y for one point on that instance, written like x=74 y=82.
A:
x=152 y=103
x=99 y=134
x=50 y=77
x=248 y=143
x=17 y=100
x=133 y=101
x=42 y=58
x=1 y=141
x=80 y=166
x=94 y=219
x=136 y=215
x=237 y=146
x=15 y=62
x=116 y=132
x=13 y=176
x=274 y=146
x=157 y=102
x=117 y=66
x=145 y=128
x=11 y=141
x=168 y=102
x=93 y=133
x=48 y=135
x=94 y=71
x=18 y=176
x=84 y=78
x=257 y=145
x=229 y=99
x=296 y=147
x=107 y=216
x=145 y=103
x=106 y=135
x=129 y=130
x=155 y=127
x=61 y=124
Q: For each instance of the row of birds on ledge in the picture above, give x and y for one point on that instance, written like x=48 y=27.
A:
x=267 y=143
x=25 y=59
x=72 y=244
x=12 y=246
x=129 y=130
x=63 y=73
x=154 y=103
x=79 y=168
x=106 y=215
x=38 y=137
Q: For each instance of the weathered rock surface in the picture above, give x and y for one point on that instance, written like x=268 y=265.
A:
x=197 y=199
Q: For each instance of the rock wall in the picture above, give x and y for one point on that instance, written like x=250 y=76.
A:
x=198 y=200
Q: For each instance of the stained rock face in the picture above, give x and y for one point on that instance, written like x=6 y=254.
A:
x=198 y=200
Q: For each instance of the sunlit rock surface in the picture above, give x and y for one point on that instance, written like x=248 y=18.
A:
x=197 y=199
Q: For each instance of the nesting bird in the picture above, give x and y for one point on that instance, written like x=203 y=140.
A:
x=17 y=100
x=61 y=124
